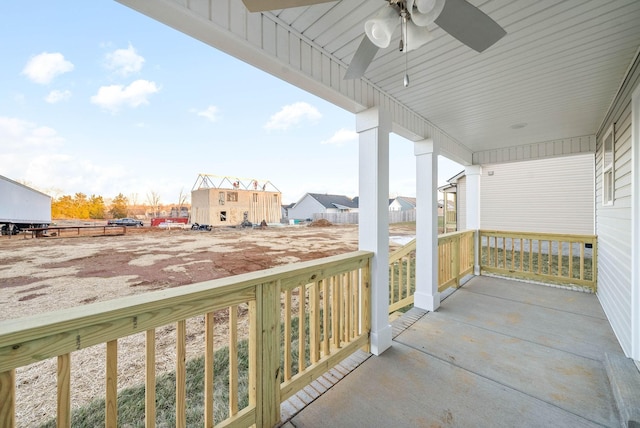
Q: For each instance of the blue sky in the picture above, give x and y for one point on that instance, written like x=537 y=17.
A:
x=99 y=99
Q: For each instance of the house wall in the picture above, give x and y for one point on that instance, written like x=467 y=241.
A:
x=546 y=195
x=305 y=208
x=613 y=222
x=226 y=207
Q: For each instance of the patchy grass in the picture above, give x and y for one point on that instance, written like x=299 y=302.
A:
x=131 y=401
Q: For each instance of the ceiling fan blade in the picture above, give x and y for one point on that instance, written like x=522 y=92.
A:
x=469 y=24
x=263 y=5
x=361 y=59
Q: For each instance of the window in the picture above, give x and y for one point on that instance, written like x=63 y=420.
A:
x=255 y=198
x=608 y=176
x=223 y=216
x=221 y=198
x=232 y=196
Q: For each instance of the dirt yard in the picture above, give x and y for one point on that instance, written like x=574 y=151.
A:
x=47 y=274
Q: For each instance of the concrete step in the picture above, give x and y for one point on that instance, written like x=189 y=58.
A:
x=625 y=384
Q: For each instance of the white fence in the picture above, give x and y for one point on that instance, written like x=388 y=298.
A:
x=352 y=218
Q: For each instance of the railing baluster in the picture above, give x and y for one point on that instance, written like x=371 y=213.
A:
x=150 y=379
x=582 y=260
x=8 y=398
x=302 y=364
x=63 y=415
x=530 y=255
x=111 y=400
x=349 y=314
x=314 y=322
x=209 y=321
x=287 y=335
x=325 y=317
x=181 y=374
x=401 y=277
x=570 y=259
x=335 y=312
x=233 y=360
x=560 y=252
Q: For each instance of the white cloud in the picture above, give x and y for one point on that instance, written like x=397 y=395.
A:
x=56 y=96
x=292 y=115
x=43 y=68
x=341 y=137
x=19 y=133
x=124 y=62
x=115 y=96
x=211 y=113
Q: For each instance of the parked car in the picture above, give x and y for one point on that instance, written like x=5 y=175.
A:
x=124 y=222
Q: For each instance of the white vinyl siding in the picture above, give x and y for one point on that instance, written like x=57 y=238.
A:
x=547 y=195
x=613 y=226
x=306 y=208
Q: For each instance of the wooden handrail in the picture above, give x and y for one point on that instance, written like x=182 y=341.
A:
x=25 y=341
x=455 y=260
x=545 y=257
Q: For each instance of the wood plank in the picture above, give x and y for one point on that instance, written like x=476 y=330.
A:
x=302 y=340
x=300 y=380
x=150 y=379
x=245 y=418
x=8 y=398
x=181 y=374
x=63 y=414
x=111 y=399
x=314 y=322
x=209 y=352
x=233 y=360
x=365 y=304
x=270 y=354
x=287 y=335
x=326 y=330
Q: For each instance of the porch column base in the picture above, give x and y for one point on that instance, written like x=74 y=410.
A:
x=428 y=302
x=381 y=340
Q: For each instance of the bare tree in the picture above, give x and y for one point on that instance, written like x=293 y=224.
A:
x=182 y=199
x=153 y=200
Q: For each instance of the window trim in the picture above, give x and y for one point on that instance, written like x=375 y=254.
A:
x=608 y=170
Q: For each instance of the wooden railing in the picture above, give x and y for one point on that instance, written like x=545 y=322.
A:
x=455 y=260
x=402 y=276
x=330 y=296
x=545 y=257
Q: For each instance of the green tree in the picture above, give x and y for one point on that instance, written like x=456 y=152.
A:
x=119 y=206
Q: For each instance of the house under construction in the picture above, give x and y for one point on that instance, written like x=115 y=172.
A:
x=229 y=201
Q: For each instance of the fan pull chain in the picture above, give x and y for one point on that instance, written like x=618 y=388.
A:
x=404 y=48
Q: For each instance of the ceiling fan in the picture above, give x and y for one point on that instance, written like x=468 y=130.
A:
x=459 y=18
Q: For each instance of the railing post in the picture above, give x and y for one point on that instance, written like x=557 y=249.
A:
x=455 y=260
x=267 y=345
x=8 y=398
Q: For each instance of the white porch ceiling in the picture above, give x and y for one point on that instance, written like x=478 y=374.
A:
x=556 y=71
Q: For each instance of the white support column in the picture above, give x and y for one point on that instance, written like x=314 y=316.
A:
x=426 y=295
x=373 y=127
x=472 y=174
x=635 y=225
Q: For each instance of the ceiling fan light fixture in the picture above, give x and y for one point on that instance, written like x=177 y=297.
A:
x=425 y=12
x=416 y=36
x=381 y=28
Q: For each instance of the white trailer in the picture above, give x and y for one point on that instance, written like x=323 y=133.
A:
x=22 y=207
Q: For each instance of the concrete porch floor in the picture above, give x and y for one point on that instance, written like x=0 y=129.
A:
x=497 y=353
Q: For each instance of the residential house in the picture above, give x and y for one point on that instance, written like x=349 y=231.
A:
x=402 y=203
x=230 y=202
x=318 y=203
